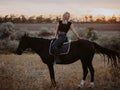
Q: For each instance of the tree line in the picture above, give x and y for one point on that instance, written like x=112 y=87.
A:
x=41 y=19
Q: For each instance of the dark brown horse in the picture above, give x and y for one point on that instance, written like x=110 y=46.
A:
x=83 y=50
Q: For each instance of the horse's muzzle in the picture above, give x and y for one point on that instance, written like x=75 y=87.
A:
x=19 y=51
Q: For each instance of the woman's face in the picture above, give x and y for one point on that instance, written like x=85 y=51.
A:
x=67 y=16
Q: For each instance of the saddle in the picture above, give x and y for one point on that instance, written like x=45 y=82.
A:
x=63 y=50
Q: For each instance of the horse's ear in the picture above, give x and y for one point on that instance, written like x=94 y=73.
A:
x=26 y=34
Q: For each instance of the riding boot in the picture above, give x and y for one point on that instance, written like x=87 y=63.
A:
x=56 y=50
x=56 y=55
x=56 y=59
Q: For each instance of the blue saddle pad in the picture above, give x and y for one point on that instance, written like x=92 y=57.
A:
x=64 y=49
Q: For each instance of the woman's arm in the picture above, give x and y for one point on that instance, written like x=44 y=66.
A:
x=73 y=30
x=56 y=30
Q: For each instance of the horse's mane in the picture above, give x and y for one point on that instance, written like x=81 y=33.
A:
x=41 y=38
x=38 y=40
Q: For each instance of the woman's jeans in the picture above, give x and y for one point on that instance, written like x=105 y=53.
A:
x=58 y=42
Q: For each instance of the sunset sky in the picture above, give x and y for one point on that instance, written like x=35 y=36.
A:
x=58 y=7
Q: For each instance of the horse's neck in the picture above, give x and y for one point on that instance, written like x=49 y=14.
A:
x=38 y=44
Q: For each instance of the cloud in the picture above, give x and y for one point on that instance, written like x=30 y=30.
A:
x=55 y=6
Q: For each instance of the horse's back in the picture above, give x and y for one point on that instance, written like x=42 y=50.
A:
x=82 y=46
x=82 y=42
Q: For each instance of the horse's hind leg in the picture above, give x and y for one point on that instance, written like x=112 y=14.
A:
x=85 y=72
x=90 y=66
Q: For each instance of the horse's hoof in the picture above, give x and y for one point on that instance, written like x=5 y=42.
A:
x=53 y=86
x=91 y=86
x=79 y=88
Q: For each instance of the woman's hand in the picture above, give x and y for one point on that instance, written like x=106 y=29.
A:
x=78 y=38
x=56 y=37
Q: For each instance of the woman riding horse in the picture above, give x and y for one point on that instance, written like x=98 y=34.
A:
x=61 y=30
x=60 y=35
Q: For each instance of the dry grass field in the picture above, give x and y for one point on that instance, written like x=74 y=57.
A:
x=99 y=27
x=27 y=72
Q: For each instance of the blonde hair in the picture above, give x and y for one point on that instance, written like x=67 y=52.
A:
x=64 y=15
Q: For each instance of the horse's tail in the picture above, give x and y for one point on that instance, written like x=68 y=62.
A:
x=112 y=55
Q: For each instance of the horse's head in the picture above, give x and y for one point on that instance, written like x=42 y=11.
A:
x=23 y=44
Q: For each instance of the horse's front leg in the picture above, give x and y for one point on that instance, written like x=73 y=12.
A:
x=52 y=74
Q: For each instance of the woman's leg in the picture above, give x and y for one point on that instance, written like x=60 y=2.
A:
x=58 y=42
x=56 y=46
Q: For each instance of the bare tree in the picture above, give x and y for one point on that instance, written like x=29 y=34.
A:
x=86 y=18
x=91 y=18
x=113 y=19
x=39 y=19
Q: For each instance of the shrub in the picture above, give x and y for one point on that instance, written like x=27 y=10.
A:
x=8 y=46
x=12 y=46
x=110 y=40
x=6 y=30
